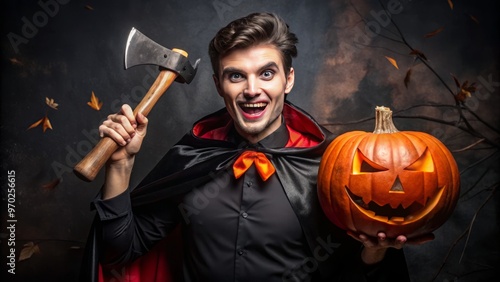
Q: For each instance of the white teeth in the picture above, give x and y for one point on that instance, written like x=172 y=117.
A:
x=253 y=105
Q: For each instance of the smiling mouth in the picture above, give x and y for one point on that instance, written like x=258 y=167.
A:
x=253 y=108
x=388 y=214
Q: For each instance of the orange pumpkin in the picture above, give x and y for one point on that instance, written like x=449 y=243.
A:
x=398 y=182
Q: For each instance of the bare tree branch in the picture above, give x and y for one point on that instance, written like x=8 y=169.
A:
x=474 y=219
x=478 y=162
x=478 y=180
x=469 y=146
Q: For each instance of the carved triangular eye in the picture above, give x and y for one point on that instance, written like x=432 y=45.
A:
x=361 y=164
x=424 y=163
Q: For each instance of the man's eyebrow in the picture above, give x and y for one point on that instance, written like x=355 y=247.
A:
x=230 y=70
x=237 y=70
x=269 y=65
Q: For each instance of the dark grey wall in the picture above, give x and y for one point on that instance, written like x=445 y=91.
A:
x=65 y=49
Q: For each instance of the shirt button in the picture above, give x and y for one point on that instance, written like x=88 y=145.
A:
x=249 y=183
x=240 y=252
x=244 y=215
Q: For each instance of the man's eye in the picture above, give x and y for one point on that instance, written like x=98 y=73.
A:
x=268 y=74
x=235 y=77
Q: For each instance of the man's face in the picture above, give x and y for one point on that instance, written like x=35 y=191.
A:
x=253 y=83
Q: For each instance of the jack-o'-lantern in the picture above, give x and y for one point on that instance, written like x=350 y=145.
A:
x=397 y=182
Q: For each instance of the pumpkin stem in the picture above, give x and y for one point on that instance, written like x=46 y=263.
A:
x=383 y=121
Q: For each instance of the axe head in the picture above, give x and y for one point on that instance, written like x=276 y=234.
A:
x=141 y=50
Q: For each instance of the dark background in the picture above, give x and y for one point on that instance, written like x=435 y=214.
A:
x=66 y=49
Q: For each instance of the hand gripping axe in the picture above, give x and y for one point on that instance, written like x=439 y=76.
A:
x=141 y=50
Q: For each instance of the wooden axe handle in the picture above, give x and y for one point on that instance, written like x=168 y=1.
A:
x=91 y=164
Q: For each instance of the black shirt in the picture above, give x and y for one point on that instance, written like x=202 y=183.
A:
x=233 y=229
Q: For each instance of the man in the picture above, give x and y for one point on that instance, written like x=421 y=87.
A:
x=241 y=184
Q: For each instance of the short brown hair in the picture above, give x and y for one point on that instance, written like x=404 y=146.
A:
x=254 y=29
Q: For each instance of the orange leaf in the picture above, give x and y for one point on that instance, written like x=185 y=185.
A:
x=457 y=83
x=451 y=4
x=465 y=90
x=45 y=122
x=28 y=250
x=50 y=102
x=15 y=61
x=51 y=185
x=462 y=95
x=407 y=78
x=418 y=54
x=474 y=19
x=469 y=88
x=94 y=102
x=433 y=33
x=36 y=123
x=393 y=62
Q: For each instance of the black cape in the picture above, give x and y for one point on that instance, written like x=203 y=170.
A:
x=201 y=154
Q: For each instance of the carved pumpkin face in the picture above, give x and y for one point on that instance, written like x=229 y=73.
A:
x=401 y=183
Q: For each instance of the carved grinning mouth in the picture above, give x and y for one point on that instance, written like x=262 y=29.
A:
x=386 y=213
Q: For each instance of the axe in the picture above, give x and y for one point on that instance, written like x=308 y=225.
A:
x=141 y=50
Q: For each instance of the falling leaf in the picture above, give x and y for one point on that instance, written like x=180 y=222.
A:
x=45 y=122
x=465 y=90
x=469 y=88
x=28 y=250
x=474 y=19
x=36 y=123
x=456 y=80
x=15 y=61
x=433 y=33
x=50 y=102
x=462 y=95
x=451 y=4
x=418 y=54
x=407 y=78
x=88 y=7
x=52 y=184
x=393 y=62
x=94 y=102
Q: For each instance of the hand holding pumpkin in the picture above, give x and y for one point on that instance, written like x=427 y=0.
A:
x=375 y=247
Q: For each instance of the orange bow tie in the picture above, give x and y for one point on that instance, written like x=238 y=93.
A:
x=264 y=167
